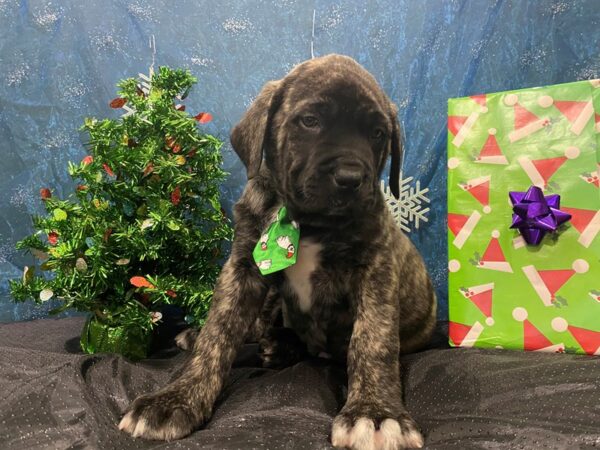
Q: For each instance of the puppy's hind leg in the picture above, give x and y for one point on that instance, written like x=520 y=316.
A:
x=281 y=347
x=187 y=338
x=269 y=317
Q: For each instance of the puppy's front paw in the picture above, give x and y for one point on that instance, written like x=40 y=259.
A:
x=358 y=432
x=164 y=415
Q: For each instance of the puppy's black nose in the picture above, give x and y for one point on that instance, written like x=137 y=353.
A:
x=348 y=177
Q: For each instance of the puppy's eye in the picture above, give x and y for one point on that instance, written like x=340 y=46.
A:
x=310 y=121
x=377 y=134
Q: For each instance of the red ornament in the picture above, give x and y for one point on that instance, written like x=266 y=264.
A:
x=45 y=193
x=53 y=237
x=148 y=170
x=141 y=282
x=108 y=170
x=107 y=234
x=173 y=145
x=176 y=196
x=171 y=293
x=87 y=160
x=203 y=117
x=192 y=152
x=180 y=107
x=117 y=103
x=82 y=187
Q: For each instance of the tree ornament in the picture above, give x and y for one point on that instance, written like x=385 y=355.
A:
x=96 y=202
x=173 y=145
x=81 y=265
x=176 y=196
x=148 y=170
x=171 y=293
x=118 y=103
x=39 y=254
x=45 y=193
x=148 y=223
x=87 y=160
x=60 y=214
x=53 y=238
x=142 y=210
x=203 y=117
x=28 y=273
x=107 y=234
x=141 y=282
x=122 y=261
x=108 y=170
x=46 y=294
x=128 y=209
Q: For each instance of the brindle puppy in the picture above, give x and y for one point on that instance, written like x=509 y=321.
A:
x=359 y=290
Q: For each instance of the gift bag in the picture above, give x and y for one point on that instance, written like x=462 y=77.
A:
x=524 y=219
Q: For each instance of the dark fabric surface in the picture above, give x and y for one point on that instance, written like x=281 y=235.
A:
x=53 y=396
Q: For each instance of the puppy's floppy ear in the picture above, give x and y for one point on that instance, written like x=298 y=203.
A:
x=248 y=136
x=396 y=151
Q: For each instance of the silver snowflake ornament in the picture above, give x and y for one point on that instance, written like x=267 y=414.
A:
x=412 y=206
x=145 y=86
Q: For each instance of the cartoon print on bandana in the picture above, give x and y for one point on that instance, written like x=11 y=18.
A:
x=277 y=247
x=286 y=243
x=263 y=241
x=264 y=265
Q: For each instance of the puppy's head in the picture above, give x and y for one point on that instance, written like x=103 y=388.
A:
x=325 y=131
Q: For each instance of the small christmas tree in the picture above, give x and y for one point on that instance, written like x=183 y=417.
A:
x=144 y=227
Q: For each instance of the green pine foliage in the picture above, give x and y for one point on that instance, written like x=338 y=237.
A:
x=144 y=226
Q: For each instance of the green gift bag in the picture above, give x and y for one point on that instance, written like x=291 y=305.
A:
x=99 y=337
x=503 y=291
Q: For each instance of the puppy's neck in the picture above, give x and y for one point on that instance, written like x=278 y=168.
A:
x=313 y=224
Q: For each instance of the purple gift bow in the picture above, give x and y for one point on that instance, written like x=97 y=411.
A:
x=536 y=214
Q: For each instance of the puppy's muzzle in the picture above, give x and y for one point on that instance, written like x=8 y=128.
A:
x=348 y=178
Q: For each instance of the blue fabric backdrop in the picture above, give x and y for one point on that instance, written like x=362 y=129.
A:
x=60 y=60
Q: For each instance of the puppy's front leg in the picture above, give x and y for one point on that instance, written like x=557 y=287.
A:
x=374 y=416
x=177 y=409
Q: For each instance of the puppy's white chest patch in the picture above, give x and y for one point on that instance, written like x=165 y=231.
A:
x=299 y=274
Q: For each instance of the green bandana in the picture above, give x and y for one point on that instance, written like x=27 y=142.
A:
x=278 y=245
